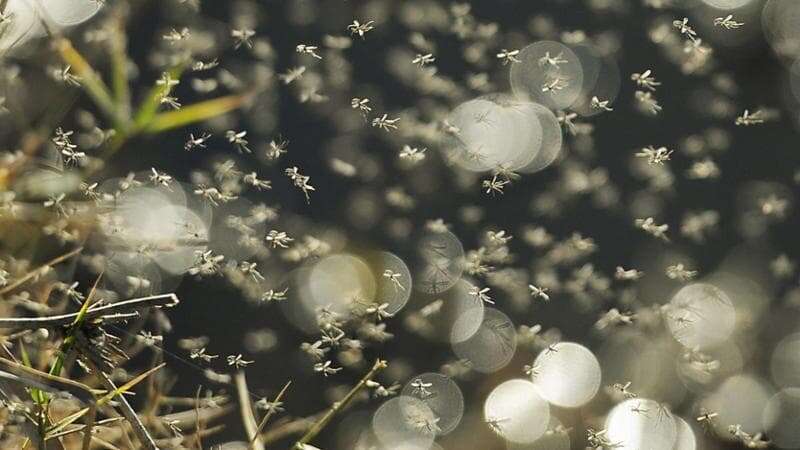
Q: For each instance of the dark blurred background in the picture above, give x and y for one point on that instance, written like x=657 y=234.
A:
x=768 y=152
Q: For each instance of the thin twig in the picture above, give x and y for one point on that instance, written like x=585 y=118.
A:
x=33 y=273
x=198 y=429
x=282 y=430
x=338 y=406
x=91 y=416
x=127 y=410
x=79 y=427
x=269 y=413
x=112 y=310
x=186 y=419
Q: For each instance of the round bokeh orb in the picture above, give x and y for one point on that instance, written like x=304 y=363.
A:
x=405 y=422
x=548 y=73
x=780 y=21
x=492 y=346
x=482 y=135
x=686 y=439
x=335 y=283
x=516 y=411
x=25 y=25
x=494 y=131
x=567 y=374
x=70 y=12
x=439 y=264
x=552 y=140
x=781 y=419
x=739 y=400
x=601 y=79
x=457 y=315
x=555 y=438
x=393 y=282
x=442 y=395
x=727 y=4
x=785 y=362
x=636 y=424
x=701 y=315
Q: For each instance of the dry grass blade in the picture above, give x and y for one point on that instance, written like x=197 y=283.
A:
x=14 y=371
x=33 y=273
x=112 y=309
x=338 y=406
x=114 y=391
x=283 y=430
x=91 y=417
x=198 y=429
x=270 y=412
x=127 y=410
x=246 y=410
x=79 y=428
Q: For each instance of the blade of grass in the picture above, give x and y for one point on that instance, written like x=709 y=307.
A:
x=91 y=417
x=90 y=81
x=198 y=429
x=119 y=64
x=46 y=381
x=127 y=410
x=149 y=106
x=36 y=394
x=196 y=112
x=269 y=414
x=69 y=340
x=78 y=428
x=116 y=391
x=246 y=411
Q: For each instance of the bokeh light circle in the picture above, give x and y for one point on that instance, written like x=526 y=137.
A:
x=404 y=422
x=700 y=315
x=727 y=4
x=457 y=315
x=393 y=281
x=552 y=140
x=533 y=78
x=567 y=374
x=70 y=12
x=441 y=394
x=516 y=411
x=555 y=438
x=781 y=419
x=780 y=21
x=785 y=362
x=686 y=439
x=440 y=258
x=739 y=400
x=641 y=423
x=492 y=346
x=336 y=282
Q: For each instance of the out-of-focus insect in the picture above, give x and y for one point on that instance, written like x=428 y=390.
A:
x=727 y=22
x=423 y=60
x=508 y=56
x=495 y=423
x=360 y=28
x=645 y=80
x=553 y=61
